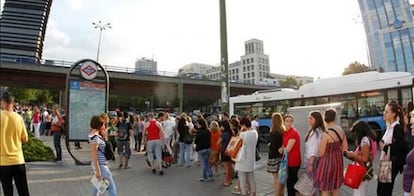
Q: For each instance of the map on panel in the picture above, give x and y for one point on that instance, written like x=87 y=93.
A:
x=86 y=99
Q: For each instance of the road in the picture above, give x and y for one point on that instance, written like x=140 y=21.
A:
x=52 y=179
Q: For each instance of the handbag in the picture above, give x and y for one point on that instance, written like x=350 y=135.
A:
x=385 y=170
x=304 y=185
x=354 y=175
x=241 y=155
x=233 y=147
x=282 y=173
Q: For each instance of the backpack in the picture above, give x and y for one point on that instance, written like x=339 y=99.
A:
x=108 y=151
x=123 y=131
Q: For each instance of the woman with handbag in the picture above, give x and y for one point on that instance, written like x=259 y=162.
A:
x=365 y=153
x=185 y=141
x=225 y=159
x=275 y=148
x=312 y=141
x=245 y=160
x=394 y=142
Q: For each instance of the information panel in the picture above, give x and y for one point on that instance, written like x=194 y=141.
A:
x=86 y=98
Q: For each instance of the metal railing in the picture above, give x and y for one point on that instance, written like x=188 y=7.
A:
x=64 y=63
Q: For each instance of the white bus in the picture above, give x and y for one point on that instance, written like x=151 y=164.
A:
x=363 y=97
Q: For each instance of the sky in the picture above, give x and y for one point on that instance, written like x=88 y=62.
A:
x=307 y=38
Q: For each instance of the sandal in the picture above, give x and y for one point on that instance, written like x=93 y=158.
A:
x=224 y=184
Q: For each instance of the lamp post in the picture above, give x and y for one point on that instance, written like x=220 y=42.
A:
x=101 y=27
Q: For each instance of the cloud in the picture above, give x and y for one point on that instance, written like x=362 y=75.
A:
x=76 y=4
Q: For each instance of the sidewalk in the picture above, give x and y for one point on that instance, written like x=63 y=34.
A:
x=52 y=179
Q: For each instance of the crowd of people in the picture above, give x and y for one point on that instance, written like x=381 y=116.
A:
x=181 y=139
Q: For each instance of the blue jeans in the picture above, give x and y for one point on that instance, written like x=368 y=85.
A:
x=203 y=156
x=154 y=147
x=56 y=142
x=187 y=149
x=106 y=173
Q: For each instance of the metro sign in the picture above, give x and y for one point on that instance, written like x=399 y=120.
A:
x=89 y=70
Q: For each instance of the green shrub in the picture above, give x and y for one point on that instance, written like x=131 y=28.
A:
x=35 y=150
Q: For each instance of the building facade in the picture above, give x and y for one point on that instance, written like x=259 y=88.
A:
x=389 y=27
x=22 y=30
x=252 y=68
x=147 y=66
x=254 y=63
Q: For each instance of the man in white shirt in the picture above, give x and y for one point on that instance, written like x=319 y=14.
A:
x=168 y=128
x=255 y=123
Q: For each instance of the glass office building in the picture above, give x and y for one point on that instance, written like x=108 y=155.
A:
x=22 y=30
x=389 y=27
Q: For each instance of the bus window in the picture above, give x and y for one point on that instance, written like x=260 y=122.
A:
x=281 y=107
x=295 y=103
x=308 y=102
x=321 y=100
x=371 y=104
x=243 y=109
x=392 y=95
x=406 y=96
x=267 y=109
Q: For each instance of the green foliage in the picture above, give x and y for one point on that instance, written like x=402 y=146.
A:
x=356 y=67
x=33 y=96
x=35 y=150
x=289 y=82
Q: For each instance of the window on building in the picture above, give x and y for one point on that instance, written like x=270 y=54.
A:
x=244 y=62
x=252 y=60
x=252 y=67
x=248 y=75
x=244 y=76
x=252 y=74
x=244 y=69
x=237 y=70
x=248 y=68
x=252 y=81
x=237 y=77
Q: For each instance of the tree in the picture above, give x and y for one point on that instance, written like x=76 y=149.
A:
x=356 y=67
x=289 y=82
x=33 y=96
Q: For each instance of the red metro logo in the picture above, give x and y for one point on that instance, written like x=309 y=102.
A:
x=88 y=70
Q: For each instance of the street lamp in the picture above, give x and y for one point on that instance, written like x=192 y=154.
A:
x=101 y=27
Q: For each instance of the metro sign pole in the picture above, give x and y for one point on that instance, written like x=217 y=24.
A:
x=225 y=84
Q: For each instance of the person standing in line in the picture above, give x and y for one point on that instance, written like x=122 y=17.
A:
x=365 y=152
x=56 y=129
x=112 y=130
x=185 y=142
x=154 y=141
x=137 y=133
x=45 y=115
x=407 y=124
x=36 y=122
x=330 y=160
x=13 y=134
x=291 y=142
x=408 y=173
x=202 y=142
x=394 y=138
x=124 y=133
x=28 y=117
x=312 y=141
x=168 y=126
x=97 y=136
x=226 y=135
x=215 y=145
x=275 y=146
x=246 y=166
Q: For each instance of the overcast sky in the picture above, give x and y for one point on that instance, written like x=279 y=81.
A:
x=315 y=38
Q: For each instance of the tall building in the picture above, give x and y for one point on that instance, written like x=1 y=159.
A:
x=254 y=63
x=234 y=74
x=389 y=27
x=148 y=66
x=22 y=30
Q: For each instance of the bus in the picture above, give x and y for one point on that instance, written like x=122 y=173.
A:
x=363 y=97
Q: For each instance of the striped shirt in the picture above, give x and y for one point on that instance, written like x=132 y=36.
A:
x=97 y=139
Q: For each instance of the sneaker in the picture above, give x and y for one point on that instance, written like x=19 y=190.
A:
x=236 y=192
x=202 y=180
x=127 y=167
x=120 y=166
x=161 y=173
